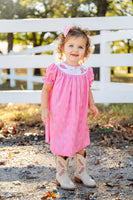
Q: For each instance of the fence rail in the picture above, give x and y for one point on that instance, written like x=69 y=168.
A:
x=57 y=24
x=111 y=29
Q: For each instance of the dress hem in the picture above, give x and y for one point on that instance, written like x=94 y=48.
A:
x=69 y=154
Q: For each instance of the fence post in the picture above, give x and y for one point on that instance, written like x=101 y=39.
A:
x=29 y=79
x=104 y=71
x=12 y=78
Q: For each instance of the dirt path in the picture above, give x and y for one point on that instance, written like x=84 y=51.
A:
x=27 y=170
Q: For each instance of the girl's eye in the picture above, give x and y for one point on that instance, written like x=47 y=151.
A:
x=80 y=47
x=70 y=45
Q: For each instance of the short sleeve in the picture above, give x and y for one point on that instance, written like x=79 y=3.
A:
x=90 y=76
x=50 y=74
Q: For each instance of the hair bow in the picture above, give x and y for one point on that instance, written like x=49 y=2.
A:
x=66 y=30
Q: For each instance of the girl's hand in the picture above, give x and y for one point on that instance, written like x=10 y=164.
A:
x=45 y=115
x=94 y=109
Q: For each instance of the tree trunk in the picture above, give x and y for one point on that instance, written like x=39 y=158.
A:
x=9 y=7
x=101 y=7
x=37 y=71
x=34 y=39
x=129 y=47
x=101 y=11
x=96 y=69
x=10 y=41
x=10 y=46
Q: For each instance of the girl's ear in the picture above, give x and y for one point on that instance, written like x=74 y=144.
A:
x=85 y=53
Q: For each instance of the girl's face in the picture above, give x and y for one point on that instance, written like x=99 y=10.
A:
x=74 y=50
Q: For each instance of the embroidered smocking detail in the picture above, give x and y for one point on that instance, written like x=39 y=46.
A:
x=73 y=70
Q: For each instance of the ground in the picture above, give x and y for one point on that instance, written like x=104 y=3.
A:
x=27 y=166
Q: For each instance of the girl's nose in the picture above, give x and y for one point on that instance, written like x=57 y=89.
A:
x=75 y=49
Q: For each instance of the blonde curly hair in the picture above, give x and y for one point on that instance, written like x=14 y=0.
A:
x=74 y=32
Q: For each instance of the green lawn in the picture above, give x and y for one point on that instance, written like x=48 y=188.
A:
x=126 y=78
x=20 y=85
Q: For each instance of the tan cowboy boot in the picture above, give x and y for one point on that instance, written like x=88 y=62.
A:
x=62 y=177
x=81 y=174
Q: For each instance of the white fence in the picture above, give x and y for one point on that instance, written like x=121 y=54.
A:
x=105 y=91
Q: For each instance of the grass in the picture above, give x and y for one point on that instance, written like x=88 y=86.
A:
x=113 y=114
x=125 y=78
x=19 y=113
x=20 y=85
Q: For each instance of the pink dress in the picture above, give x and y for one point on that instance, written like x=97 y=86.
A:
x=67 y=129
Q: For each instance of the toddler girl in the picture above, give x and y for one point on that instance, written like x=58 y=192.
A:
x=65 y=98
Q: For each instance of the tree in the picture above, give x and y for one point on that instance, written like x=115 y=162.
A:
x=115 y=8
x=11 y=10
x=122 y=8
x=6 y=12
x=6 y=8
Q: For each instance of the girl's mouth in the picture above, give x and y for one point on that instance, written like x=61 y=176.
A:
x=75 y=55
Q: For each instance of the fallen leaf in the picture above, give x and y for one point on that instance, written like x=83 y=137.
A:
x=1 y=124
x=119 y=176
x=21 y=143
x=107 y=140
x=88 y=194
x=36 y=162
x=102 y=143
x=111 y=112
x=2 y=162
x=30 y=177
x=13 y=131
x=115 y=192
x=129 y=138
x=44 y=197
x=1 y=137
x=119 y=162
x=54 y=196
x=111 y=184
x=49 y=194
x=9 y=155
x=97 y=162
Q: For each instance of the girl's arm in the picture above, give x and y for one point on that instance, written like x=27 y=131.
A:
x=44 y=102
x=92 y=106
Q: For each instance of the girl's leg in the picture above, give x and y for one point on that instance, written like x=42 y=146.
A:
x=81 y=174
x=81 y=152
